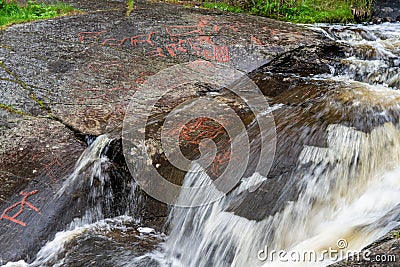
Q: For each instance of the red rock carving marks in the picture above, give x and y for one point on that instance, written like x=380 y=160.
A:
x=198 y=129
x=176 y=31
x=21 y=204
x=94 y=35
x=256 y=41
x=142 y=38
x=48 y=168
x=220 y=162
x=188 y=39
x=201 y=46
x=194 y=39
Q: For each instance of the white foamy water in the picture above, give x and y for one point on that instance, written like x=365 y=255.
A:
x=349 y=190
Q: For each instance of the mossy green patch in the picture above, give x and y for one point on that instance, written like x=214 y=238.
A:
x=11 y=109
x=12 y=12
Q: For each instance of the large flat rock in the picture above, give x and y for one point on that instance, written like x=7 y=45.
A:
x=84 y=69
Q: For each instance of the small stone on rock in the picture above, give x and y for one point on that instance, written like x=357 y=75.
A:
x=145 y=230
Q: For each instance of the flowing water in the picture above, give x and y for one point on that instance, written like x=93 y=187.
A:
x=349 y=193
x=349 y=189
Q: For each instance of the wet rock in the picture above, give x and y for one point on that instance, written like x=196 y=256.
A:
x=36 y=154
x=386 y=11
x=32 y=148
x=383 y=252
x=304 y=108
x=377 y=20
x=387 y=19
x=304 y=60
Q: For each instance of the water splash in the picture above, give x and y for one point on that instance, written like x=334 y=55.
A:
x=98 y=203
x=348 y=190
x=373 y=53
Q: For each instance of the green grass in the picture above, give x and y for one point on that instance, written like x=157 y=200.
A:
x=130 y=7
x=12 y=13
x=223 y=6
x=299 y=11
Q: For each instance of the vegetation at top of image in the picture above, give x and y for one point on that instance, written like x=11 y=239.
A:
x=224 y=6
x=301 y=11
x=12 y=12
x=130 y=7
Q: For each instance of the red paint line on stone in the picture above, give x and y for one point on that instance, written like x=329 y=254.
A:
x=22 y=205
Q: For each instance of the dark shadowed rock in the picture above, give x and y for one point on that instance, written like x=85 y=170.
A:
x=386 y=11
x=383 y=252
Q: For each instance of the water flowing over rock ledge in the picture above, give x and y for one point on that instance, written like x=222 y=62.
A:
x=72 y=77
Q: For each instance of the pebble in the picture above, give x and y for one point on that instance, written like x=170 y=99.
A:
x=145 y=230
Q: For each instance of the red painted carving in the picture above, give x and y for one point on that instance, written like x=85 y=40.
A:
x=142 y=38
x=195 y=39
x=22 y=205
x=157 y=52
x=48 y=168
x=171 y=48
x=221 y=54
x=199 y=129
x=83 y=35
x=178 y=31
x=139 y=39
x=114 y=41
x=220 y=161
x=256 y=40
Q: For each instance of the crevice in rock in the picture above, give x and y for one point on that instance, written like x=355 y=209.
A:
x=81 y=137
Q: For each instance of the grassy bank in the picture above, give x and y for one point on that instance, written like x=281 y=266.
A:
x=300 y=11
x=12 y=12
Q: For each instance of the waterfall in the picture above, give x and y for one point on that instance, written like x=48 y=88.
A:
x=99 y=203
x=349 y=190
x=372 y=53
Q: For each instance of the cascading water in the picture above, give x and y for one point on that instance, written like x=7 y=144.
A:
x=349 y=190
x=77 y=244
x=372 y=53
